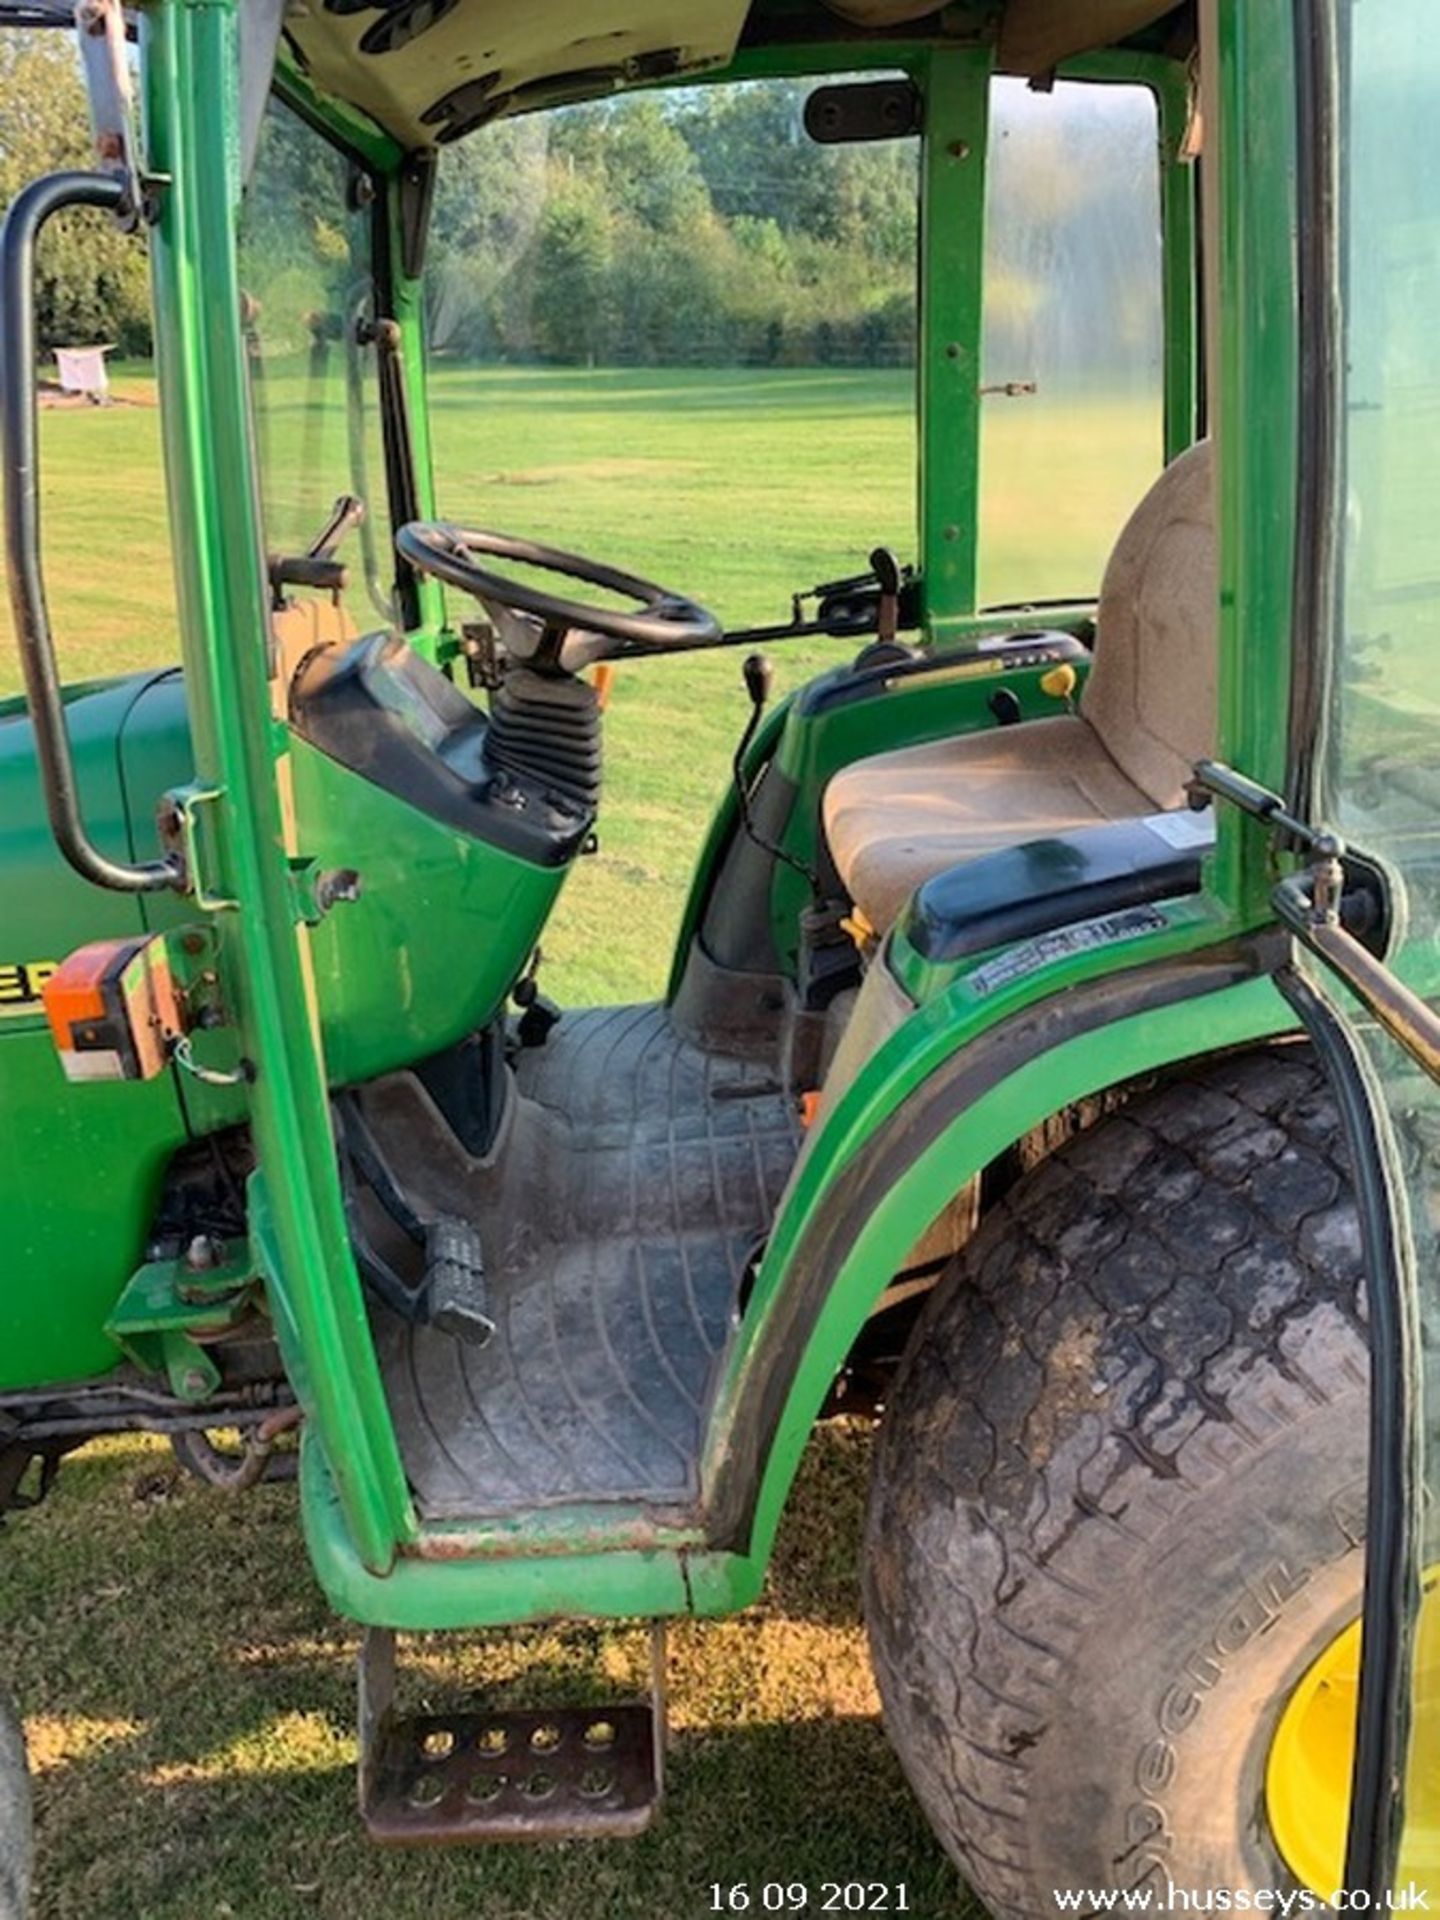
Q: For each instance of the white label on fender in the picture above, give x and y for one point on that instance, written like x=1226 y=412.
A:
x=1029 y=958
x=1184 y=830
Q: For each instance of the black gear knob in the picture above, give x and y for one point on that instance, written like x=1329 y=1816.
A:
x=759 y=678
x=886 y=569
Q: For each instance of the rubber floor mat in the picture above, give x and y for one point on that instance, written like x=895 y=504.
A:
x=640 y=1174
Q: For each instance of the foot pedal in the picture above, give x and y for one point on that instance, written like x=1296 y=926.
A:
x=557 y=1773
x=455 y=1297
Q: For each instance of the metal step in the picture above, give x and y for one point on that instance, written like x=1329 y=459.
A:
x=551 y=1773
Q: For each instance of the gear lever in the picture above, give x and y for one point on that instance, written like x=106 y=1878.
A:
x=759 y=671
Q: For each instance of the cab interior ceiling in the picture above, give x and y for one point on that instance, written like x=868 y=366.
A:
x=430 y=71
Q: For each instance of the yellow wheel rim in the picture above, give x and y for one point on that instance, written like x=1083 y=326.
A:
x=1307 y=1776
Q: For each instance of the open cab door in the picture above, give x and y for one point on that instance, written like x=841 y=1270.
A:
x=1363 y=899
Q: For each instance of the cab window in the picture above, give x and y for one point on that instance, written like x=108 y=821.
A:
x=306 y=274
x=1072 y=419
x=673 y=329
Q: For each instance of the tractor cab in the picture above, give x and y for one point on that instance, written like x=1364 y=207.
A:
x=983 y=420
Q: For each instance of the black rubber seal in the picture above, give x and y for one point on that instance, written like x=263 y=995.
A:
x=1392 y=1532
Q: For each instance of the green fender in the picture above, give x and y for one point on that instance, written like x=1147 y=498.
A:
x=917 y=1123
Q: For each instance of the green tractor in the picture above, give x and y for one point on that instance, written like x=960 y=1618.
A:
x=1047 y=1062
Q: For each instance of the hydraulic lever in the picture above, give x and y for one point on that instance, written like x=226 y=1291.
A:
x=759 y=673
x=317 y=567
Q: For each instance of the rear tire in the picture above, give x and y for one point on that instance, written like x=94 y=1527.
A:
x=1118 y=1502
x=16 y=1821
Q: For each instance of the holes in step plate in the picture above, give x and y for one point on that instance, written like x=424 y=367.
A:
x=596 y=1782
x=491 y=1742
x=486 y=1788
x=437 y=1744
x=426 y=1791
x=600 y=1735
x=545 y=1739
x=539 y=1786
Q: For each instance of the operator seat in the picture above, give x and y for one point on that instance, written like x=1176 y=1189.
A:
x=1146 y=714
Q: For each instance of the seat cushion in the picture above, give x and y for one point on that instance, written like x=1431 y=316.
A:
x=897 y=818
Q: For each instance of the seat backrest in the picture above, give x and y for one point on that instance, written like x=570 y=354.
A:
x=1151 y=695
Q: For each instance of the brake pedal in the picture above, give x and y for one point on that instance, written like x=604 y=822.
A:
x=554 y=1773
x=455 y=1296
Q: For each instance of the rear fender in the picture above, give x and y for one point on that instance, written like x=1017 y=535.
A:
x=951 y=1087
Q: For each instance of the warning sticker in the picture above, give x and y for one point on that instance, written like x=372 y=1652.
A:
x=22 y=983
x=1032 y=955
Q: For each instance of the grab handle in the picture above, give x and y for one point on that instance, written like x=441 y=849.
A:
x=19 y=467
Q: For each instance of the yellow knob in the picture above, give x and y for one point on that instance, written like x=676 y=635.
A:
x=1060 y=682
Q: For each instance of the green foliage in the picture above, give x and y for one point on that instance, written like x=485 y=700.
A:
x=91 y=282
x=702 y=228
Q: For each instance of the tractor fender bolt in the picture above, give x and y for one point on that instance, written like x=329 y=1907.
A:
x=195 y=1381
x=335 y=887
x=200 y=1255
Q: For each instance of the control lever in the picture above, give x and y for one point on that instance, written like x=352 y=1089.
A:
x=886 y=569
x=759 y=671
x=317 y=568
x=347 y=512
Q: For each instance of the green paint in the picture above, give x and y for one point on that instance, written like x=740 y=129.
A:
x=442 y=930
x=190 y=73
x=169 y=1305
x=85 y=1162
x=952 y=257
x=1254 y=120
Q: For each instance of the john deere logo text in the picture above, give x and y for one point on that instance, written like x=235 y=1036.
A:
x=21 y=984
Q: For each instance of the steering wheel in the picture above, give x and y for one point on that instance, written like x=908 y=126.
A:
x=544 y=630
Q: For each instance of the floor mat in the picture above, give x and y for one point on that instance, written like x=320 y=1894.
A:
x=638 y=1176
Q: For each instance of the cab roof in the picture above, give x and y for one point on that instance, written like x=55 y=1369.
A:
x=430 y=71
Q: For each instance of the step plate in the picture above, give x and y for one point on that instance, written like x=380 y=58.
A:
x=559 y=1774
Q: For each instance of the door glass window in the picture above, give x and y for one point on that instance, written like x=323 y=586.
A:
x=1379 y=771
x=307 y=279
x=1072 y=423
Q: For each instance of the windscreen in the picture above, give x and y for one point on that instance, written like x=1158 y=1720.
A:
x=673 y=330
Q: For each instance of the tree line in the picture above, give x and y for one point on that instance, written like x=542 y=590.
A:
x=700 y=225
x=91 y=282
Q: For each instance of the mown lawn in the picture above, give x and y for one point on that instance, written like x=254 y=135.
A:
x=190 y=1704
x=189 y=1695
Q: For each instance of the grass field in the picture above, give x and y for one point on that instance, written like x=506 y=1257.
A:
x=189 y=1694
